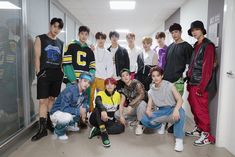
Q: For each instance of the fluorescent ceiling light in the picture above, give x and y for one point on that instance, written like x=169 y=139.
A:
x=122 y=41
x=122 y=30
x=8 y=5
x=122 y=5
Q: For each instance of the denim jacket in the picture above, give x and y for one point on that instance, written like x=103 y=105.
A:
x=70 y=101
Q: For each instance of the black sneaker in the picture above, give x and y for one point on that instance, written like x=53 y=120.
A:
x=195 y=133
x=105 y=139
x=94 y=132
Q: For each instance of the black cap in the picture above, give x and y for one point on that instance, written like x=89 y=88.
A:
x=197 y=25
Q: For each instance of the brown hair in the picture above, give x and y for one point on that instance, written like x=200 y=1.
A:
x=130 y=35
x=156 y=68
x=160 y=35
x=100 y=35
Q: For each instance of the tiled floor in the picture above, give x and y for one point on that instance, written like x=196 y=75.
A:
x=123 y=145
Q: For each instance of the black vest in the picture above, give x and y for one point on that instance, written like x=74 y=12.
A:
x=51 y=52
x=197 y=65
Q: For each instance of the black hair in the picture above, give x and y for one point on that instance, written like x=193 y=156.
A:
x=175 y=26
x=156 y=68
x=125 y=70
x=59 y=20
x=84 y=29
x=100 y=35
x=113 y=33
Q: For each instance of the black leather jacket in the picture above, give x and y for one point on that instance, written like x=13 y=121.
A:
x=121 y=59
x=198 y=63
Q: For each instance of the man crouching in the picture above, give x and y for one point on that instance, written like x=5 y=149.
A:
x=70 y=106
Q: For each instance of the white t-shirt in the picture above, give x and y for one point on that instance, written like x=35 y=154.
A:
x=104 y=63
x=133 y=54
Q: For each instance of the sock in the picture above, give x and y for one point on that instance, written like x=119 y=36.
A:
x=102 y=128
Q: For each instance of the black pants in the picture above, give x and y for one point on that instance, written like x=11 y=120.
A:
x=111 y=126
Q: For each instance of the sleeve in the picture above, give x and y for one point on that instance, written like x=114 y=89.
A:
x=85 y=103
x=207 y=67
x=141 y=92
x=99 y=104
x=92 y=62
x=66 y=103
x=69 y=72
x=127 y=59
x=67 y=57
x=188 y=53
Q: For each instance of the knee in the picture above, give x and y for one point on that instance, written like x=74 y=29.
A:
x=51 y=98
x=61 y=117
x=43 y=101
x=117 y=114
x=142 y=105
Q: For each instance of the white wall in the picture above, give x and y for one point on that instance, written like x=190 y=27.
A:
x=193 y=10
x=190 y=12
x=225 y=119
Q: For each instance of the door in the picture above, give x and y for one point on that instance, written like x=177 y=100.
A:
x=226 y=110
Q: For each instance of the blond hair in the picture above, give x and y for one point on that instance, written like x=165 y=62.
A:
x=148 y=40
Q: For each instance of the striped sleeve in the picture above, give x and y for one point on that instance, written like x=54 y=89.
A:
x=92 y=61
x=67 y=58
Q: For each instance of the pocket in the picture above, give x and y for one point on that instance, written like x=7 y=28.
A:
x=41 y=73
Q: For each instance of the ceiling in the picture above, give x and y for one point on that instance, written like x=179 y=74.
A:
x=144 y=20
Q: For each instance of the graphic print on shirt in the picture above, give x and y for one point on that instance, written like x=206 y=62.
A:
x=80 y=55
x=53 y=54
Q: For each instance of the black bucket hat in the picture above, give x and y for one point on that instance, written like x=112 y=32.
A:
x=198 y=25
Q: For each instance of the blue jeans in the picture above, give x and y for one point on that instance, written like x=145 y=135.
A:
x=151 y=122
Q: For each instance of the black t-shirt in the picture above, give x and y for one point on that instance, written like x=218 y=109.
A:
x=178 y=55
x=51 y=52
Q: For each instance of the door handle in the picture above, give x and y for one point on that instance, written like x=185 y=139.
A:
x=230 y=73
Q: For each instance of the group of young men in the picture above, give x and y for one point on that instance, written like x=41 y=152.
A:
x=117 y=85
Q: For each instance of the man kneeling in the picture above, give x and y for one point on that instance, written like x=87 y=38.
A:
x=70 y=106
x=102 y=118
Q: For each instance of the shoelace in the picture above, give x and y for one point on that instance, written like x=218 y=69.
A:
x=203 y=136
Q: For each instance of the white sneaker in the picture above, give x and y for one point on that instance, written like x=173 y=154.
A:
x=63 y=137
x=139 y=129
x=161 y=131
x=73 y=128
x=179 y=146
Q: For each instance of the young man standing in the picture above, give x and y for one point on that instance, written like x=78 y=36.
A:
x=48 y=58
x=161 y=49
x=120 y=55
x=178 y=56
x=78 y=57
x=145 y=60
x=104 y=66
x=71 y=106
x=200 y=74
x=135 y=98
x=133 y=52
